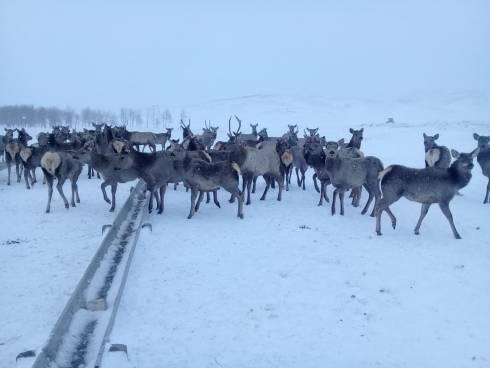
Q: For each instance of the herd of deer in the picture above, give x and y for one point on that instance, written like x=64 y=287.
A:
x=205 y=166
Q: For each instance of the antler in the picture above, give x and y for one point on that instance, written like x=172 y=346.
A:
x=239 y=125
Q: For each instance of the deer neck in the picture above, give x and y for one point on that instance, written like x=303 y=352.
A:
x=460 y=178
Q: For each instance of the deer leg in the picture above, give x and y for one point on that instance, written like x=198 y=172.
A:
x=208 y=197
x=325 y=194
x=50 y=192
x=286 y=172
x=199 y=200
x=215 y=198
x=303 y=179
x=267 y=186
x=163 y=189
x=249 y=180
x=322 y=193
x=280 y=182
x=113 y=193
x=447 y=212
x=423 y=211
x=76 y=191
x=175 y=186
x=272 y=184
x=193 y=202
x=315 y=176
x=368 y=203
x=33 y=175
x=150 y=201
x=104 y=194
x=240 y=203
x=334 y=199
x=254 y=184
x=377 y=196
x=26 y=178
x=341 y=197
x=59 y=187
x=383 y=205
x=73 y=190
x=18 y=172
x=9 y=168
x=487 y=195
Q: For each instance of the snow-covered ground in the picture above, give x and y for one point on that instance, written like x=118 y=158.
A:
x=288 y=286
x=43 y=256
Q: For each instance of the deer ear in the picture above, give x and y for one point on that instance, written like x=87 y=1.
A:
x=351 y=130
x=476 y=136
x=475 y=152
x=454 y=153
x=436 y=136
x=362 y=130
x=425 y=135
x=341 y=142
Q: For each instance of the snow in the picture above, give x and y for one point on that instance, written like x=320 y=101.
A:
x=43 y=256
x=289 y=285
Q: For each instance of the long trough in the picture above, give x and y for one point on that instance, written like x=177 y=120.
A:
x=80 y=335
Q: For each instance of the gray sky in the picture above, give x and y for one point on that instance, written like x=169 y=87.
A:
x=111 y=54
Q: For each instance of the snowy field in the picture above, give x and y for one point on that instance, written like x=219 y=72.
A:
x=288 y=286
x=43 y=256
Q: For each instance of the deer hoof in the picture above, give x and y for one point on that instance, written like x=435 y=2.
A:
x=240 y=216
x=457 y=236
x=67 y=206
x=189 y=217
x=378 y=233
x=416 y=232
x=111 y=209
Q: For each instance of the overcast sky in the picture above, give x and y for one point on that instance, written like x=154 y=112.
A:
x=111 y=54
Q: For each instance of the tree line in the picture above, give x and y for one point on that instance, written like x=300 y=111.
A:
x=25 y=116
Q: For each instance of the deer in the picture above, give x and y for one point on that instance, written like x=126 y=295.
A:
x=138 y=139
x=348 y=173
x=61 y=166
x=11 y=154
x=435 y=155
x=356 y=139
x=249 y=139
x=315 y=157
x=263 y=160
x=31 y=160
x=426 y=186
x=208 y=136
x=355 y=144
x=202 y=176
x=483 y=160
x=162 y=138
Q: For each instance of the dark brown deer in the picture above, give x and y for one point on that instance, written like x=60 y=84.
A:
x=426 y=186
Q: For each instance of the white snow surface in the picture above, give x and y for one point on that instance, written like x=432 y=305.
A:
x=288 y=286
